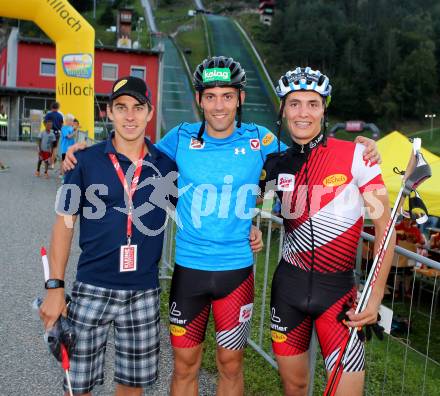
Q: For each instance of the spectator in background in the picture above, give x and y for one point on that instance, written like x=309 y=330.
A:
x=80 y=136
x=56 y=117
x=276 y=209
x=46 y=141
x=67 y=138
x=434 y=242
x=407 y=230
x=76 y=127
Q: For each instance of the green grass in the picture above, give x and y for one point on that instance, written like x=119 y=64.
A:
x=420 y=323
x=30 y=29
x=229 y=6
x=262 y=379
x=377 y=365
x=170 y=17
x=101 y=35
x=189 y=31
x=256 y=32
x=144 y=35
x=193 y=40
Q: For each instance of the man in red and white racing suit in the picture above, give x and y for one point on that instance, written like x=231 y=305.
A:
x=324 y=185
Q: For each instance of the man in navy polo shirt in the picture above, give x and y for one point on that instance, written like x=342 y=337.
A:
x=121 y=241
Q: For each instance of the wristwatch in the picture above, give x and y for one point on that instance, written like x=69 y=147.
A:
x=54 y=284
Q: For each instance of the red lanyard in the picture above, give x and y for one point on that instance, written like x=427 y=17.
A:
x=130 y=193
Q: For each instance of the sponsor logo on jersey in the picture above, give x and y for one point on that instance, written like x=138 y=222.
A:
x=177 y=331
x=239 y=150
x=273 y=316
x=178 y=321
x=286 y=182
x=263 y=174
x=245 y=313
x=268 y=139
x=195 y=144
x=255 y=144
x=275 y=320
x=173 y=310
x=334 y=180
x=274 y=326
x=315 y=142
x=277 y=336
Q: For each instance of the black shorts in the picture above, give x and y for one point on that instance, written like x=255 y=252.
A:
x=193 y=292
x=299 y=299
x=57 y=138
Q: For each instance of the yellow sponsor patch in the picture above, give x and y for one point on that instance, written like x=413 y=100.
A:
x=277 y=336
x=334 y=180
x=177 y=330
x=119 y=85
x=263 y=174
x=268 y=139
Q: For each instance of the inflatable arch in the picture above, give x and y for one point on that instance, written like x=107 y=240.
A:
x=75 y=52
x=356 y=126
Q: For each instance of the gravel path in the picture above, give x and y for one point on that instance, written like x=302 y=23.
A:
x=26 y=216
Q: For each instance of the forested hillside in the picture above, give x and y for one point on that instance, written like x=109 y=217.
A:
x=383 y=55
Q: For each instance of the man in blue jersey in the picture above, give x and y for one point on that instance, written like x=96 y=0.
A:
x=220 y=160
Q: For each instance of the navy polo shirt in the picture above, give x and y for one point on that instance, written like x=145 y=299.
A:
x=93 y=191
x=56 y=118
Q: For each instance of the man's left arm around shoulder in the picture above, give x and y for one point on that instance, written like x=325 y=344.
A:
x=371 y=151
x=378 y=208
x=70 y=160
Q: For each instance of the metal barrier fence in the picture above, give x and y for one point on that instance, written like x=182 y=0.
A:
x=410 y=356
x=406 y=362
x=27 y=130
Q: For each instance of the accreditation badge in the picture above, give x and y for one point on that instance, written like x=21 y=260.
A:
x=128 y=258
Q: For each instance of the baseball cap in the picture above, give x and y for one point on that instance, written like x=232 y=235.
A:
x=131 y=86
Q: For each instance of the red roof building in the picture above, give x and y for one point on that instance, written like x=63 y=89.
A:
x=27 y=80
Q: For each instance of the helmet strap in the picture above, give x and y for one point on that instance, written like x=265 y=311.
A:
x=280 y=123
x=202 y=126
x=239 y=110
x=325 y=127
x=201 y=130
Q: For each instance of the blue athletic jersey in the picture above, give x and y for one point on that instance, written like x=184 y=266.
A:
x=221 y=182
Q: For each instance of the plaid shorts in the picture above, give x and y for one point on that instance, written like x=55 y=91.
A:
x=135 y=316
